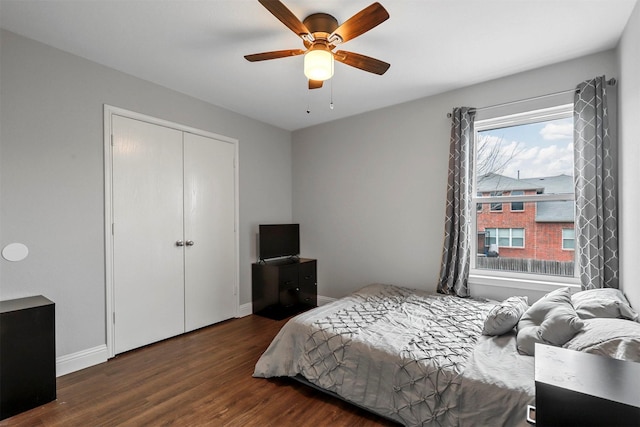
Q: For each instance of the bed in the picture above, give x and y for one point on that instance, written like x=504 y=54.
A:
x=409 y=356
x=426 y=359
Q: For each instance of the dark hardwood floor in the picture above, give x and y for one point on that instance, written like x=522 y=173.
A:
x=198 y=379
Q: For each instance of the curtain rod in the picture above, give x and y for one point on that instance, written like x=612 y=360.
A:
x=610 y=82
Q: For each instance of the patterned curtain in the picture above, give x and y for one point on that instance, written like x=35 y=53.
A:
x=454 y=270
x=596 y=192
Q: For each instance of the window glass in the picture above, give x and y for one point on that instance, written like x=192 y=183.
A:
x=517 y=237
x=526 y=156
x=517 y=206
x=504 y=235
x=568 y=238
x=491 y=236
x=496 y=207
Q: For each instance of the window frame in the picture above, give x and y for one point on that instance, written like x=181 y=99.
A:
x=508 y=279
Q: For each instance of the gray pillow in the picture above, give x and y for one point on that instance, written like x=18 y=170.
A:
x=603 y=302
x=505 y=316
x=617 y=338
x=550 y=320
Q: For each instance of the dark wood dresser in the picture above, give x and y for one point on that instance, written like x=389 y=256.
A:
x=283 y=288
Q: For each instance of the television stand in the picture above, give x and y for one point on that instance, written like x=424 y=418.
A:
x=284 y=287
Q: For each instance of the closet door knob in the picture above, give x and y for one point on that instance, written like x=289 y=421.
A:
x=189 y=243
x=179 y=243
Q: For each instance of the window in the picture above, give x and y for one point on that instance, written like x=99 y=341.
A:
x=496 y=207
x=517 y=206
x=504 y=237
x=568 y=239
x=517 y=237
x=521 y=159
x=490 y=237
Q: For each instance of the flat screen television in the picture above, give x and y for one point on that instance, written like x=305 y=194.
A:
x=278 y=240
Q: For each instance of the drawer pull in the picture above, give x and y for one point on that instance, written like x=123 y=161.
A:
x=531 y=414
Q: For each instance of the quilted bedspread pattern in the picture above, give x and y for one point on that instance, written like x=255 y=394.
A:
x=393 y=350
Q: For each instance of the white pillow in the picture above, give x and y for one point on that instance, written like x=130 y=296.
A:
x=550 y=320
x=603 y=302
x=617 y=338
x=505 y=316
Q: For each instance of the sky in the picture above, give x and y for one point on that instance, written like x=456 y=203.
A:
x=534 y=150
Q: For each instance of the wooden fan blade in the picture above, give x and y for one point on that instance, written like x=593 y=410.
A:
x=363 y=62
x=361 y=22
x=315 y=84
x=273 y=55
x=285 y=16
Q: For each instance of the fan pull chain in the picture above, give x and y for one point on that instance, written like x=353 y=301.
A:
x=331 y=103
x=308 y=102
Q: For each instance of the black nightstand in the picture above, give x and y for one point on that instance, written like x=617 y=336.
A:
x=27 y=354
x=574 y=388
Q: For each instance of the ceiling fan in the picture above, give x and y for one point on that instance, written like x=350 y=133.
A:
x=320 y=34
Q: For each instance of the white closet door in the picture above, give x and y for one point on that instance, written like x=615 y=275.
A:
x=148 y=266
x=209 y=209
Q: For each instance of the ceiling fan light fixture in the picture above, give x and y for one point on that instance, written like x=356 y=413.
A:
x=318 y=63
x=321 y=34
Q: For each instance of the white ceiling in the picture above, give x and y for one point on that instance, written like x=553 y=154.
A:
x=197 y=46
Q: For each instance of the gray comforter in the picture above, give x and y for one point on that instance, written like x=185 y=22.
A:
x=407 y=355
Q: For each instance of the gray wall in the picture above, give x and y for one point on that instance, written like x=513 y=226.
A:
x=51 y=176
x=369 y=190
x=629 y=177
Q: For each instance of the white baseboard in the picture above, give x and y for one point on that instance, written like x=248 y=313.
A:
x=245 y=310
x=81 y=359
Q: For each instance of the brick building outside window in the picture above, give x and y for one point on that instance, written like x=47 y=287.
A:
x=534 y=230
